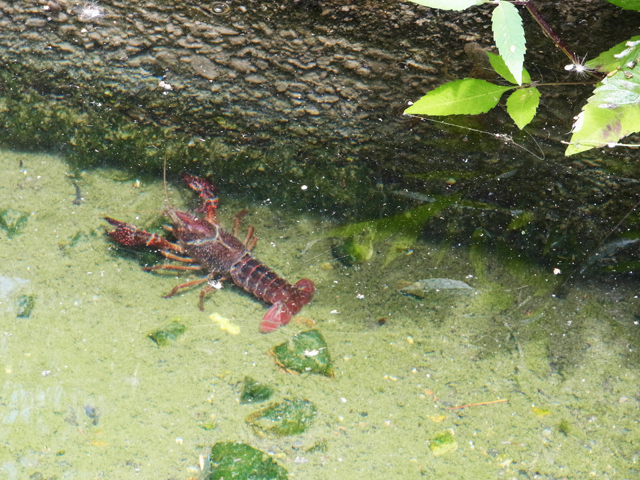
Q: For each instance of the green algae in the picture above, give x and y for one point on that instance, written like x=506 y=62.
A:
x=443 y=443
x=355 y=249
x=400 y=230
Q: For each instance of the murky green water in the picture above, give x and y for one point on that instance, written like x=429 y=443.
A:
x=84 y=392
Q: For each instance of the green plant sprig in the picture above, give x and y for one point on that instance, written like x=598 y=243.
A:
x=609 y=115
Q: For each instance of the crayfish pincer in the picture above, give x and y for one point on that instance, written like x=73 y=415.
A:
x=206 y=246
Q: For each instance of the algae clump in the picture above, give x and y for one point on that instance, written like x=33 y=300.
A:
x=443 y=443
x=12 y=221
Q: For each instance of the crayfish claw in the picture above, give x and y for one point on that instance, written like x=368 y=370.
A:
x=126 y=234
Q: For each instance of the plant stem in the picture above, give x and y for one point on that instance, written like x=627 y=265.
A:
x=548 y=31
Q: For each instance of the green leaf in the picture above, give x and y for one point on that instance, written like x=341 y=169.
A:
x=239 y=460
x=610 y=114
x=615 y=57
x=449 y=4
x=468 y=96
x=509 y=37
x=522 y=105
x=627 y=4
x=497 y=62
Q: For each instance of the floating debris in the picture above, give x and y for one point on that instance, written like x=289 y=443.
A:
x=540 y=412
x=225 y=324
x=92 y=412
x=306 y=352
x=241 y=461
x=12 y=221
x=208 y=425
x=291 y=417
x=168 y=334
x=255 y=392
x=423 y=288
x=564 y=427
x=443 y=443
x=25 y=305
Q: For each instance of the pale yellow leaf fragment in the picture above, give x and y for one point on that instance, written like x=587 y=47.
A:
x=436 y=418
x=225 y=324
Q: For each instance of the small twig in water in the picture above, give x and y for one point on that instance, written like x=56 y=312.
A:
x=79 y=198
x=460 y=407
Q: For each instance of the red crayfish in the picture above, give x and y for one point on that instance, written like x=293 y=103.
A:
x=203 y=243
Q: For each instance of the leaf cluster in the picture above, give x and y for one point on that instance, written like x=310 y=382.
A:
x=471 y=96
x=610 y=114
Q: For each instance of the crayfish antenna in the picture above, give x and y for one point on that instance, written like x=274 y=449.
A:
x=278 y=315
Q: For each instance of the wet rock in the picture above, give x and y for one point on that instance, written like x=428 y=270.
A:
x=204 y=67
x=67 y=81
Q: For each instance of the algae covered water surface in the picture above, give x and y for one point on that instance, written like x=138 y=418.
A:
x=505 y=380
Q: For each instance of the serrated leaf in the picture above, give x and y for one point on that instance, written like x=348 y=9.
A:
x=615 y=57
x=497 y=62
x=627 y=4
x=610 y=114
x=468 y=96
x=522 y=105
x=509 y=37
x=449 y=4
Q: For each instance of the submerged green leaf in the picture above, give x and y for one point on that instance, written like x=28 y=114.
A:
x=449 y=4
x=509 y=37
x=610 y=114
x=522 y=105
x=468 y=96
x=241 y=461
x=291 y=417
x=254 y=391
x=168 y=334
x=25 y=306
x=306 y=352
x=497 y=62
